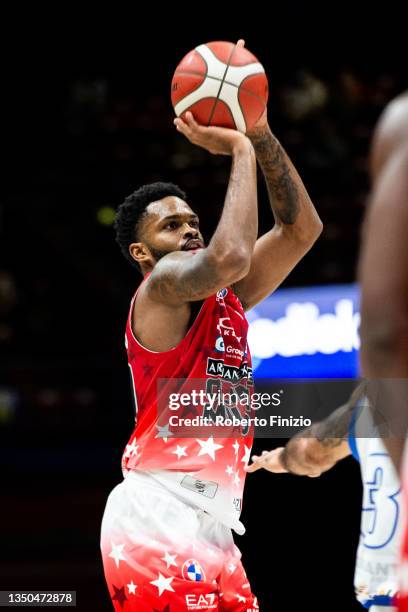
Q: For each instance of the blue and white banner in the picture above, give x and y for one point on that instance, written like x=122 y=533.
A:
x=306 y=332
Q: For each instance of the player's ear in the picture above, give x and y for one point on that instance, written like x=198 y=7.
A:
x=140 y=252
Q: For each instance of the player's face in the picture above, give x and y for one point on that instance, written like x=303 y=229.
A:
x=171 y=225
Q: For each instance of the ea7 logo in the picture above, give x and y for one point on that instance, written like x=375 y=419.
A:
x=201 y=602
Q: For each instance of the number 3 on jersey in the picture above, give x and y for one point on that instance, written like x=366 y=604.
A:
x=380 y=508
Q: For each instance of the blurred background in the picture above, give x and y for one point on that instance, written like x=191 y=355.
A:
x=87 y=120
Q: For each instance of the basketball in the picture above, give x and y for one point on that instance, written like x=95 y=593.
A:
x=222 y=84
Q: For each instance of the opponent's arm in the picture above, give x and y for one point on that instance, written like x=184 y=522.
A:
x=383 y=272
x=184 y=277
x=315 y=449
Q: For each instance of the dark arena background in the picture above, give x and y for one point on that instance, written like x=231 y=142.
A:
x=88 y=120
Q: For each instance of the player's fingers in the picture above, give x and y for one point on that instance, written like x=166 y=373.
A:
x=190 y=120
x=180 y=124
x=241 y=43
x=253 y=467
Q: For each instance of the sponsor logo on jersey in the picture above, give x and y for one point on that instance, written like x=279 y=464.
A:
x=222 y=293
x=201 y=601
x=229 y=373
x=235 y=352
x=192 y=570
x=225 y=329
x=219 y=345
x=203 y=487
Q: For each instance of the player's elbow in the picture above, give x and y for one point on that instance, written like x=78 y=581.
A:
x=305 y=235
x=232 y=264
x=309 y=234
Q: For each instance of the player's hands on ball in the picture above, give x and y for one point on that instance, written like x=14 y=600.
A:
x=262 y=123
x=219 y=141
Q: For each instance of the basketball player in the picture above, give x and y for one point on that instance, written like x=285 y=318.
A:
x=384 y=279
x=166 y=534
x=384 y=273
x=351 y=430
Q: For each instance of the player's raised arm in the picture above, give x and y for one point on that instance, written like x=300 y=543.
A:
x=188 y=276
x=297 y=224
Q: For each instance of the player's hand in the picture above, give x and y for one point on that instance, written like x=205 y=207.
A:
x=269 y=460
x=217 y=140
x=262 y=124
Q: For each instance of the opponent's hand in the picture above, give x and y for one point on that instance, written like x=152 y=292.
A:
x=217 y=140
x=269 y=460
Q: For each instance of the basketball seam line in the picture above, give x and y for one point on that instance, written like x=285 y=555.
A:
x=240 y=87
x=222 y=82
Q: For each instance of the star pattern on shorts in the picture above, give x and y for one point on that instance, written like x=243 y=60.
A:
x=119 y=595
x=232 y=568
x=245 y=457
x=131 y=449
x=240 y=598
x=237 y=479
x=229 y=470
x=236 y=447
x=131 y=588
x=164 y=432
x=116 y=553
x=169 y=559
x=163 y=584
x=208 y=447
x=180 y=451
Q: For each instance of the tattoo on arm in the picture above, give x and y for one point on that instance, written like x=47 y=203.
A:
x=282 y=188
x=334 y=429
x=330 y=433
x=184 y=285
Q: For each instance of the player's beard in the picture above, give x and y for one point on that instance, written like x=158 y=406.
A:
x=158 y=254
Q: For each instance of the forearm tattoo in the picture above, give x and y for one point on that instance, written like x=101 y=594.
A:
x=282 y=188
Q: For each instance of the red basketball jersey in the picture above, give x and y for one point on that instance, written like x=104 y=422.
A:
x=208 y=470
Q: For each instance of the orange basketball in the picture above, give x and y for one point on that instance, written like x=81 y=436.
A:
x=222 y=85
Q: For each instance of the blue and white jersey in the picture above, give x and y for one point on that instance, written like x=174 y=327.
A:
x=376 y=578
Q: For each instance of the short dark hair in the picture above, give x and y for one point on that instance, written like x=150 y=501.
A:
x=130 y=213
